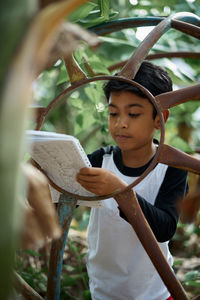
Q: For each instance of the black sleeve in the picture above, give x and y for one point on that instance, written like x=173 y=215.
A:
x=163 y=215
x=96 y=158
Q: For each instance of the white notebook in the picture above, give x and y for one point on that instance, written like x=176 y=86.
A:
x=61 y=156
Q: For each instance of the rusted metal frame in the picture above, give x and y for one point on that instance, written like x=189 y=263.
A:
x=144 y=235
x=168 y=277
x=107 y=77
x=113 y=26
x=117 y=25
x=128 y=203
x=190 y=29
x=168 y=99
x=38 y=110
x=133 y=212
x=191 y=165
x=127 y=23
x=131 y=67
x=66 y=209
x=159 y=55
x=25 y=289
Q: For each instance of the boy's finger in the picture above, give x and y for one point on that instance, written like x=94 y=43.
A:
x=90 y=171
x=88 y=185
x=87 y=178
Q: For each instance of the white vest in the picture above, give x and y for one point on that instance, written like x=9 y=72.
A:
x=118 y=266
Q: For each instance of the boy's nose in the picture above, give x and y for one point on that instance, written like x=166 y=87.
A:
x=121 y=122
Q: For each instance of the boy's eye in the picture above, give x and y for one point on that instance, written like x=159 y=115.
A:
x=112 y=114
x=134 y=115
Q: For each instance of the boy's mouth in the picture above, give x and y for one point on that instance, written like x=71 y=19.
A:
x=122 y=137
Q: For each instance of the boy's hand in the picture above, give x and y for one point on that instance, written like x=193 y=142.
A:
x=99 y=181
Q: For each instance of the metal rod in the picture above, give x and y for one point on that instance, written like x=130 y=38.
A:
x=177 y=97
x=66 y=209
x=131 y=67
x=113 y=26
x=129 y=205
x=179 y=159
x=180 y=54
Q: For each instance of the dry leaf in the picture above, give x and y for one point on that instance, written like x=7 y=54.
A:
x=69 y=38
x=41 y=219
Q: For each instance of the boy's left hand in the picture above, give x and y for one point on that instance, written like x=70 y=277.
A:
x=99 y=181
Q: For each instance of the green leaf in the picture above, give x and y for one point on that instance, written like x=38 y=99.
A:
x=73 y=247
x=178 y=262
x=32 y=253
x=116 y=41
x=82 y=255
x=69 y=280
x=81 y=12
x=42 y=286
x=79 y=119
x=105 y=8
x=94 y=18
x=193 y=283
x=86 y=295
x=184 y=68
x=193 y=275
x=76 y=102
x=63 y=75
x=93 y=22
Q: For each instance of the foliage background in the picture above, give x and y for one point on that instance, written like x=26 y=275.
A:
x=87 y=117
x=84 y=113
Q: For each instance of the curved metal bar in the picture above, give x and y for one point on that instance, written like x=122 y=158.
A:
x=117 y=25
x=174 y=98
x=186 y=28
x=98 y=78
x=187 y=17
x=113 y=26
x=133 y=64
x=184 y=54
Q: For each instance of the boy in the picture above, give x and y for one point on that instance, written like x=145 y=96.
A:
x=118 y=266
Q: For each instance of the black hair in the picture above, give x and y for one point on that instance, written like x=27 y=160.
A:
x=154 y=78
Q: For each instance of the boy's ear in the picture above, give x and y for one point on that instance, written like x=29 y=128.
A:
x=165 y=116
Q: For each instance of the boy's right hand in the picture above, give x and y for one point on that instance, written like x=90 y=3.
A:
x=99 y=181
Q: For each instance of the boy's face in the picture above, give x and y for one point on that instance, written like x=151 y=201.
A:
x=131 y=122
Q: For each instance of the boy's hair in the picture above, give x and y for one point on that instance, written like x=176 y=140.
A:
x=154 y=78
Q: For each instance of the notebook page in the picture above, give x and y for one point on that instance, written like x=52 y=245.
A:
x=61 y=157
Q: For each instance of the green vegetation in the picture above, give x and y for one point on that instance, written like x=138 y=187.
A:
x=87 y=116
x=83 y=114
